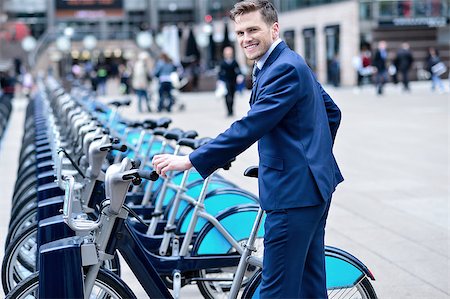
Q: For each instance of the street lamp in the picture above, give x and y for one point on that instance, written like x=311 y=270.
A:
x=28 y=45
x=144 y=39
x=63 y=44
x=89 y=42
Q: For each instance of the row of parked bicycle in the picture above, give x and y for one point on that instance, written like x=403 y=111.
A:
x=85 y=191
x=5 y=111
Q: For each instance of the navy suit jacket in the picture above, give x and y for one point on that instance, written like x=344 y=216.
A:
x=296 y=122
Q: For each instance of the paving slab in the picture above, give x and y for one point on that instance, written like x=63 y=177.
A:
x=392 y=211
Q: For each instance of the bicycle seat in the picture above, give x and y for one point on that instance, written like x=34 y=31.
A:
x=174 y=134
x=132 y=124
x=118 y=103
x=190 y=134
x=251 y=172
x=100 y=109
x=163 y=122
x=159 y=131
x=193 y=143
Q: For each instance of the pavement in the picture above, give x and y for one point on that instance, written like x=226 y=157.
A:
x=392 y=210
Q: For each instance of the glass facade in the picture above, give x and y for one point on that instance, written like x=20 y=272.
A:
x=389 y=9
x=286 y=5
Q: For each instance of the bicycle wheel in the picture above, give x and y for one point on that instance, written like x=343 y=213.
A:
x=361 y=290
x=216 y=283
x=107 y=285
x=19 y=261
x=19 y=224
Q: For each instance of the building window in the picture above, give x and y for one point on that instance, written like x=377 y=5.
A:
x=289 y=38
x=309 y=40
x=332 y=52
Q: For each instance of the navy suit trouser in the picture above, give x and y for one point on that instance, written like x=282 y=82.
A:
x=294 y=253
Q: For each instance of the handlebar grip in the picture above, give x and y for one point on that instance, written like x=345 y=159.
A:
x=120 y=147
x=148 y=175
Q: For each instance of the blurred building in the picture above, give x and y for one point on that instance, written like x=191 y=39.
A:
x=328 y=33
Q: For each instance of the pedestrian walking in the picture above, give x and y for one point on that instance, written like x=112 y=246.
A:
x=124 y=74
x=295 y=122
x=164 y=72
x=8 y=85
x=436 y=68
x=403 y=63
x=228 y=73
x=140 y=82
x=379 y=62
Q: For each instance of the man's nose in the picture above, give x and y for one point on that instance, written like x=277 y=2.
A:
x=247 y=37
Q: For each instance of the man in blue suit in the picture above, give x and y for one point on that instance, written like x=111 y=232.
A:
x=295 y=122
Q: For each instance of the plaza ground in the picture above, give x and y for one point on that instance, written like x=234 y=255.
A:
x=392 y=210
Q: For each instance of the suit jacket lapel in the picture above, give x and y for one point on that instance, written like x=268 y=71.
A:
x=272 y=57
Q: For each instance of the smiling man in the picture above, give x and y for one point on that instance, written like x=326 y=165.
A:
x=295 y=122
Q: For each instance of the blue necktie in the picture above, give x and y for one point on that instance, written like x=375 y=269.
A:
x=255 y=73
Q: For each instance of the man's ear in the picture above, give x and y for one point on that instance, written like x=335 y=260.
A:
x=275 y=31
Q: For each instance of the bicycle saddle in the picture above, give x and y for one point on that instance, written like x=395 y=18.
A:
x=163 y=122
x=118 y=103
x=194 y=143
x=251 y=172
x=177 y=134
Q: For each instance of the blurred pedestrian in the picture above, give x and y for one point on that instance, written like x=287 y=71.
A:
x=140 y=81
x=363 y=66
x=125 y=74
x=380 y=64
x=436 y=68
x=27 y=83
x=335 y=70
x=164 y=70
x=7 y=84
x=228 y=73
x=102 y=76
x=403 y=62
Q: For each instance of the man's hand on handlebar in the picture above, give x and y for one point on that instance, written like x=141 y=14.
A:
x=165 y=162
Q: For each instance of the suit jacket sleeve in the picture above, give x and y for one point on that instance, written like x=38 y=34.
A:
x=277 y=94
x=333 y=112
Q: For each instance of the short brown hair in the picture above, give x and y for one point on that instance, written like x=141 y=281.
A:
x=267 y=10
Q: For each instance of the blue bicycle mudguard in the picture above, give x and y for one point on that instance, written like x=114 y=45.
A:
x=193 y=190
x=216 y=201
x=343 y=269
x=238 y=221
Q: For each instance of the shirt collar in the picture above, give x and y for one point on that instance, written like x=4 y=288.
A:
x=262 y=60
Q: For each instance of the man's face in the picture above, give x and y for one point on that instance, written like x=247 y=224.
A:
x=254 y=35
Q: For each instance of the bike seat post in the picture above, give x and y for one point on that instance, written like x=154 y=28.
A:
x=149 y=190
x=160 y=200
x=140 y=142
x=118 y=156
x=168 y=233
x=243 y=262
x=112 y=116
x=199 y=206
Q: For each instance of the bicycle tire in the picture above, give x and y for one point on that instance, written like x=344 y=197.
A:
x=18 y=264
x=362 y=290
x=13 y=271
x=112 y=285
x=20 y=223
x=216 y=283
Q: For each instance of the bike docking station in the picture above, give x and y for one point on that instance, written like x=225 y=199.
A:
x=86 y=191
